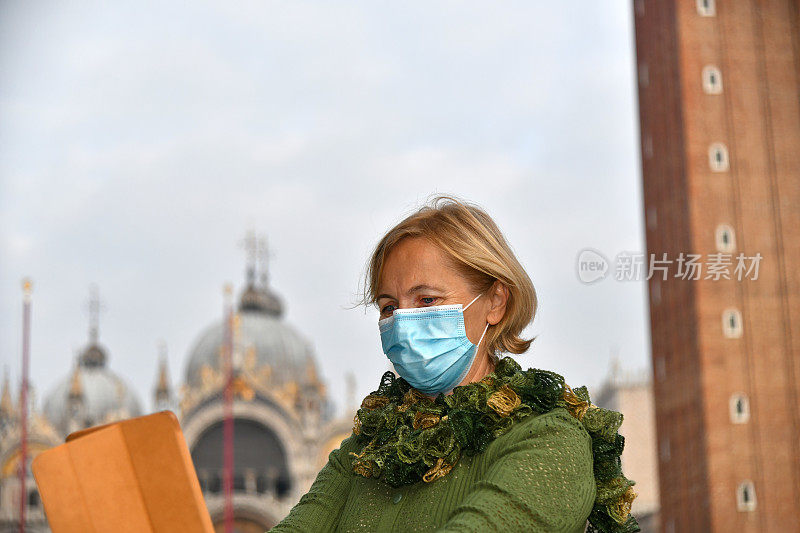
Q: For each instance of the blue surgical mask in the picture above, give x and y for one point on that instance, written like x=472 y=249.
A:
x=428 y=346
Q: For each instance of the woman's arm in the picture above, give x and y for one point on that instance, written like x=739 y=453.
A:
x=542 y=480
x=319 y=509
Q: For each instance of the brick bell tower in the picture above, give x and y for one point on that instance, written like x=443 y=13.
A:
x=719 y=106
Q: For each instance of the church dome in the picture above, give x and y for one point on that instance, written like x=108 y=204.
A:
x=104 y=395
x=262 y=333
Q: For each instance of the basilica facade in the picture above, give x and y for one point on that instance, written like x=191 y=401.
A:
x=284 y=426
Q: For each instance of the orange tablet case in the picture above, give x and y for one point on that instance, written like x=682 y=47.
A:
x=131 y=476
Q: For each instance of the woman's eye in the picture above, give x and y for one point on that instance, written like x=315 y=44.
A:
x=428 y=300
x=387 y=309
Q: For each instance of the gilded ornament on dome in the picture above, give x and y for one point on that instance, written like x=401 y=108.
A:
x=287 y=395
x=264 y=374
x=208 y=376
x=311 y=372
x=76 y=389
x=242 y=388
x=250 y=358
x=120 y=391
x=186 y=403
x=237 y=325
x=39 y=425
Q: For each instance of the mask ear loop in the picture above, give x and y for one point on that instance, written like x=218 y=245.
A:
x=487 y=324
x=482 y=335
x=472 y=302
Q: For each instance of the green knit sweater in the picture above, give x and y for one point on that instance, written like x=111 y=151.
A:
x=537 y=477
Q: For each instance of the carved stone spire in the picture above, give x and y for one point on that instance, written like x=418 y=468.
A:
x=6 y=403
x=263 y=258
x=257 y=296
x=93 y=307
x=75 y=386
x=93 y=355
x=163 y=393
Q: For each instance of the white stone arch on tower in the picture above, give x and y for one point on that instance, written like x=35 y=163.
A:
x=263 y=509
x=288 y=432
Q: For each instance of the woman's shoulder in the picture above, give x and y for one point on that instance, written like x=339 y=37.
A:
x=553 y=446
x=556 y=425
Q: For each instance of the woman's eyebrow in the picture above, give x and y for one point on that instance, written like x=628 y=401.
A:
x=412 y=290
x=420 y=288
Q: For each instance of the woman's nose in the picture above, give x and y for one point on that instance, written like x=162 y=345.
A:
x=406 y=303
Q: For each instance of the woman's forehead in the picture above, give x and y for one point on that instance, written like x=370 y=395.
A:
x=414 y=253
x=411 y=264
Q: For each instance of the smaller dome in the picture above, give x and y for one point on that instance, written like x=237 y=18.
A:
x=101 y=392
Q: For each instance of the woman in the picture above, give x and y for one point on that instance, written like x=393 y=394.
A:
x=464 y=440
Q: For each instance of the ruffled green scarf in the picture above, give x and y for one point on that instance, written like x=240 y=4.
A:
x=408 y=436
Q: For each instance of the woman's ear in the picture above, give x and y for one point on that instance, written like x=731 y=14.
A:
x=498 y=299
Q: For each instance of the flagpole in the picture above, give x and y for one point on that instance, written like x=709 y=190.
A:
x=228 y=427
x=23 y=393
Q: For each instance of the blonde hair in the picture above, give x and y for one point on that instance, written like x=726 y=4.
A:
x=478 y=250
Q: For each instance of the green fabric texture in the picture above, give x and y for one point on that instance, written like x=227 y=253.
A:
x=516 y=448
x=536 y=478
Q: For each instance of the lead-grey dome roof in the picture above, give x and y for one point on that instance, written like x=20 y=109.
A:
x=103 y=392
x=275 y=342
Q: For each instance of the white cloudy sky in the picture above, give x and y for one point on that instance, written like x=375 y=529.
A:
x=139 y=140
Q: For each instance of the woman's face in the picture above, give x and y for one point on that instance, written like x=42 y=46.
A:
x=416 y=273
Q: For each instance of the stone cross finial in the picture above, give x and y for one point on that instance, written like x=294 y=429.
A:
x=94 y=307
x=257 y=255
